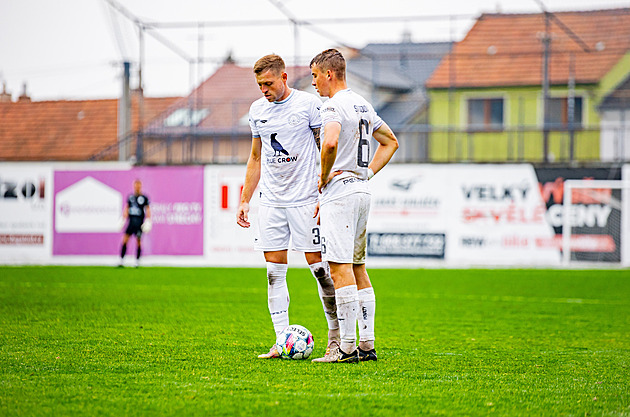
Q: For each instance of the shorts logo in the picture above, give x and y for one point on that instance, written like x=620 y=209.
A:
x=294 y=120
x=351 y=180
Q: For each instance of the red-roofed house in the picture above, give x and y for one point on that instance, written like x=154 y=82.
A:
x=66 y=130
x=211 y=124
x=487 y=94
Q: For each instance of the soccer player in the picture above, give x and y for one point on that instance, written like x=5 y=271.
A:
x=285 y=126
x=348 y=122
x=139 y=214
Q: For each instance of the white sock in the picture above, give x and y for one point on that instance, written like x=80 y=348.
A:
x=278 y=295
x=347 y=308
x=326 y=289
x=367 y=310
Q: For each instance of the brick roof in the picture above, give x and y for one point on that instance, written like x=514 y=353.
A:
x=227 y=94
x=65 y=130
x=506 y=49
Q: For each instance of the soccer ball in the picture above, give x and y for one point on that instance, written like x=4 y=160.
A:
x=295 y=342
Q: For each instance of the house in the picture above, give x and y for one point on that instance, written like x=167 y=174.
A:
x=615 y=124
x=211 y=124
x=487 y=95
x=391 y=76
x=66 y=130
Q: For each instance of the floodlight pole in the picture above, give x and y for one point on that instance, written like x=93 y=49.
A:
x=546 y=51
x=140 y=94
x=124 y=114
x=571 y=107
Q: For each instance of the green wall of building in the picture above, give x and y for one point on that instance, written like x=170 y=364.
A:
x=521 y=137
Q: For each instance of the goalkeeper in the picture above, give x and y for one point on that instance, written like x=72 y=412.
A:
x=139 y=214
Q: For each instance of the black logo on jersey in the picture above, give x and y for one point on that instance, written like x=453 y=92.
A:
x=277 y=147
x=264 y=121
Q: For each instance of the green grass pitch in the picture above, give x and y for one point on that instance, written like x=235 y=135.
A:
x=183 y=341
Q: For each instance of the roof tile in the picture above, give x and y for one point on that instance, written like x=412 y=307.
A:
x=506 y=49
x=65 y=130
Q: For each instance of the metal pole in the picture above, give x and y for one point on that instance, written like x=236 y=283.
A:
x=521 y=129
x=622 y=141
x=124 y=115
x=139 y=138
x=566 y=223
x=451 y=93
x=546 y=42
x=571 y=108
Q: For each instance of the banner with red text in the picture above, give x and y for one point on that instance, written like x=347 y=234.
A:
x=461 y=214
x=595 y=222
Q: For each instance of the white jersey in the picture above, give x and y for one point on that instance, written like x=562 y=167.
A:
x=289 y=156
x=358 y=121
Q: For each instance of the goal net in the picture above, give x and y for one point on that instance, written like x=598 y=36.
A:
x=595 y=222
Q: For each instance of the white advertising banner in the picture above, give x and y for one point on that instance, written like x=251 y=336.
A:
x=421 y=216
x=88 y=206
x=459 y=215
x=226 y=243
x=25 y=213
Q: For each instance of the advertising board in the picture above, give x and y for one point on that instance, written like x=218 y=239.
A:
x=461 y=214
x=89 y=203
x=595 y=222
x=25 y=212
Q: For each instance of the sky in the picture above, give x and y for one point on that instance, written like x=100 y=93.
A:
x=74 y=49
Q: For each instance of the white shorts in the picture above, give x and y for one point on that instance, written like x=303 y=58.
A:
x=278 y=225
x=344 y=229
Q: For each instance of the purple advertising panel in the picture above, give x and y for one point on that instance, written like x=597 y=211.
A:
x=89 y=205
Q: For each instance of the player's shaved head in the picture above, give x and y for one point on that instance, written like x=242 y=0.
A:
x=137 y=186
x=273 y=63
x=331 y=59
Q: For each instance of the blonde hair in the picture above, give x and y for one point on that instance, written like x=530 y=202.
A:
x=272 y=62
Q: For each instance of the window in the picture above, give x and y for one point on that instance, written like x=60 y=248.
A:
x=485 y=113
x=558 y=113
x=186 y=117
